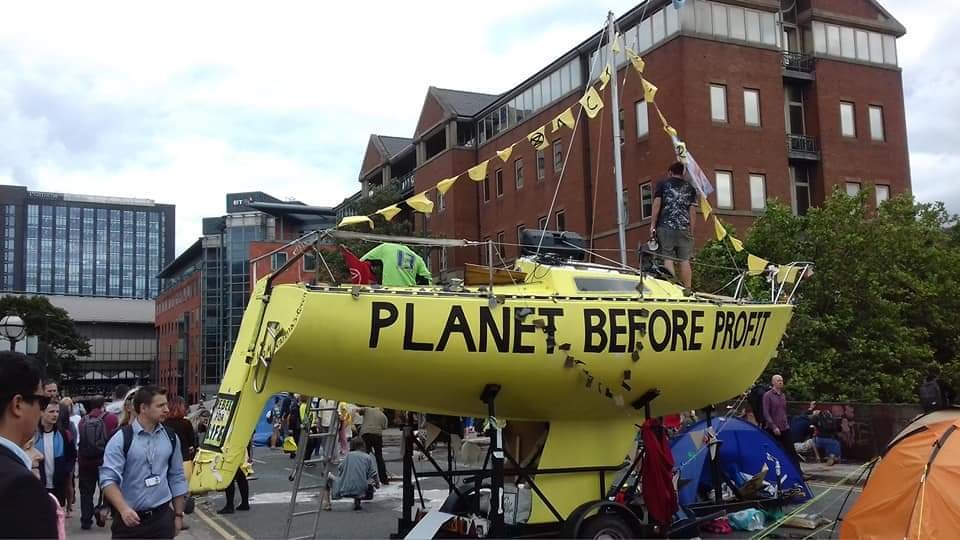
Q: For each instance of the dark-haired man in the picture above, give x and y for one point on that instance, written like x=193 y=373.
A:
x=95 y=428
x=672 y=221
x=142 y=474
x=27 y=511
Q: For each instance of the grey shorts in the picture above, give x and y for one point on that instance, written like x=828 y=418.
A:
x=674 y=243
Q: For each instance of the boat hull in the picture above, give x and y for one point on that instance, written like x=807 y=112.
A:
x=580 y=363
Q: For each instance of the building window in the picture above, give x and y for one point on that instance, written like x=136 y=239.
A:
x=758 y=192
x=751 y=107
x=561 y=220
x=499 y=182
x=277 y=260
x=718 y=103
x=499 y=246
x=520 y=229
x=883 y=193
x=541 y=166
x=643 y=122
x=486 y=189
x=441 y=201
x=876 y=123
x=518 y=172
x=853 y=188
x=542 y=223
x=309 y=262
x=557 y=156
x=848 y=127
x=646 y=200
x=724 y=189
x=443 y=259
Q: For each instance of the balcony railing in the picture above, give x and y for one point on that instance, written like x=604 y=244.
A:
x=798 y=62
x=802 y=147
x=406 y=182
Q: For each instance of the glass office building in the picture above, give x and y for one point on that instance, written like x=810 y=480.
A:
x=65 y=244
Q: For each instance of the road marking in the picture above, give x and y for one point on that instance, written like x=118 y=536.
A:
x=212 y=521
x=213 y=525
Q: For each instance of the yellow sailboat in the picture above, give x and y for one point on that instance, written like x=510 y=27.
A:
x=582 y=347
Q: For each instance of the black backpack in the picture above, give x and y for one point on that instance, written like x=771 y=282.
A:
x=755 y=399
x=93 y=439
x=127 y=434
x=931 y=398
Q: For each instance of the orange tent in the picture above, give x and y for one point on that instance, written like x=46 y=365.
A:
x=914 y=492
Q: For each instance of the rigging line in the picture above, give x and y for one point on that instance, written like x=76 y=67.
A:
x=573 y=135
x=596 y=184
x=504 y=263
x=618 y=263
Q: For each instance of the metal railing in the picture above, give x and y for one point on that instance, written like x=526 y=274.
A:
x=406 y=182
x=793 y=61
x=803 y=146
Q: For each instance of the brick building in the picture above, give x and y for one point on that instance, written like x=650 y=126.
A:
x=784 y=102
x=207 y=287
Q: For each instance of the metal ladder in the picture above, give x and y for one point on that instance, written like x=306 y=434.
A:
x=328 y=453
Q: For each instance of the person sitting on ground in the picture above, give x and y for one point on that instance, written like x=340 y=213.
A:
x=356 y=474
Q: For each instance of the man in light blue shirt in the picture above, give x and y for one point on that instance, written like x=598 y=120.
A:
x=142 y=472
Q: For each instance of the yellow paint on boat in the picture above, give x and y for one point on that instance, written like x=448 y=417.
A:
x=430 y=350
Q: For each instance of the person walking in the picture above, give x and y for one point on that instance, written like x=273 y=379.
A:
x=239 y=480
x=371 y=431
x=775 y=417
x=58 y=450
x=27 y=510
x=66 y=425
x=142 y=474
x=672 y=221
x=187 y=437
x=96 y=428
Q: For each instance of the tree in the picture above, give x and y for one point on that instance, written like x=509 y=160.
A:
x=881 y=308
x=60 y=343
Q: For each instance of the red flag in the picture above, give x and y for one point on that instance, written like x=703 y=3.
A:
x=360 y=271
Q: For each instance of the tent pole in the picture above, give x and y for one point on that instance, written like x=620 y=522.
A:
x=714 y=454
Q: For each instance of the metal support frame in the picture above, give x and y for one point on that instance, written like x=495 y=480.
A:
x=489 y=396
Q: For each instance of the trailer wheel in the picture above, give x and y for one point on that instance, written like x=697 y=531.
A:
x=605 y=527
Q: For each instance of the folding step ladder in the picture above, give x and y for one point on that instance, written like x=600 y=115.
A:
x=329 y=448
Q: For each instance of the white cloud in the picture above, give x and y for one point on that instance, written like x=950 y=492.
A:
x=182 y=102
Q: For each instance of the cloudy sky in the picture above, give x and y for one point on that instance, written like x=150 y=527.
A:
x=190 y=100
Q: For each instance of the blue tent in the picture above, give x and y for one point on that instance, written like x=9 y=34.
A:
x=264 y=429
x=745 y=449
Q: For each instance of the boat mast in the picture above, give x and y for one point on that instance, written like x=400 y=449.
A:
x=615 y=112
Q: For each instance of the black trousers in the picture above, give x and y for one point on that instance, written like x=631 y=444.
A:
x=786 y=443
x=89 y=477
x=157 y=523
x=374 y=444
x=240 y=480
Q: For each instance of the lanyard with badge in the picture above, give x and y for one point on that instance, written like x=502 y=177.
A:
x=152 y=480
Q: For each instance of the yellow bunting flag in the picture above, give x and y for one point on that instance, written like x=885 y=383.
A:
x=604 y=77
x=755 y=264
x=737 y=244
x=420 y=203
x=504 y=154
x=616 y=43
x=355 y=220
x=787 y=274
x=444 y=185
x=564 y=119
x=718 y=228
x=670 y=131
x=591 y=102
x=479 y=172
x=649 y=90
x=389 y=212
x=705 y=207
x=637 y=61
x=538 y=138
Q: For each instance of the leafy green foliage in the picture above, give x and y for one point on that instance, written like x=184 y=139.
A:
x=59 y=342
x=882 y=306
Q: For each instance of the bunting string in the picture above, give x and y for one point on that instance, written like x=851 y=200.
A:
x=590 y=103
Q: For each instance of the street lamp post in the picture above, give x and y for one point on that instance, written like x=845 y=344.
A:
x=12 y=328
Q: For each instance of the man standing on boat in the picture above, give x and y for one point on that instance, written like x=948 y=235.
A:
x=775 y=416
x=674 y=210
x=396 y=265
